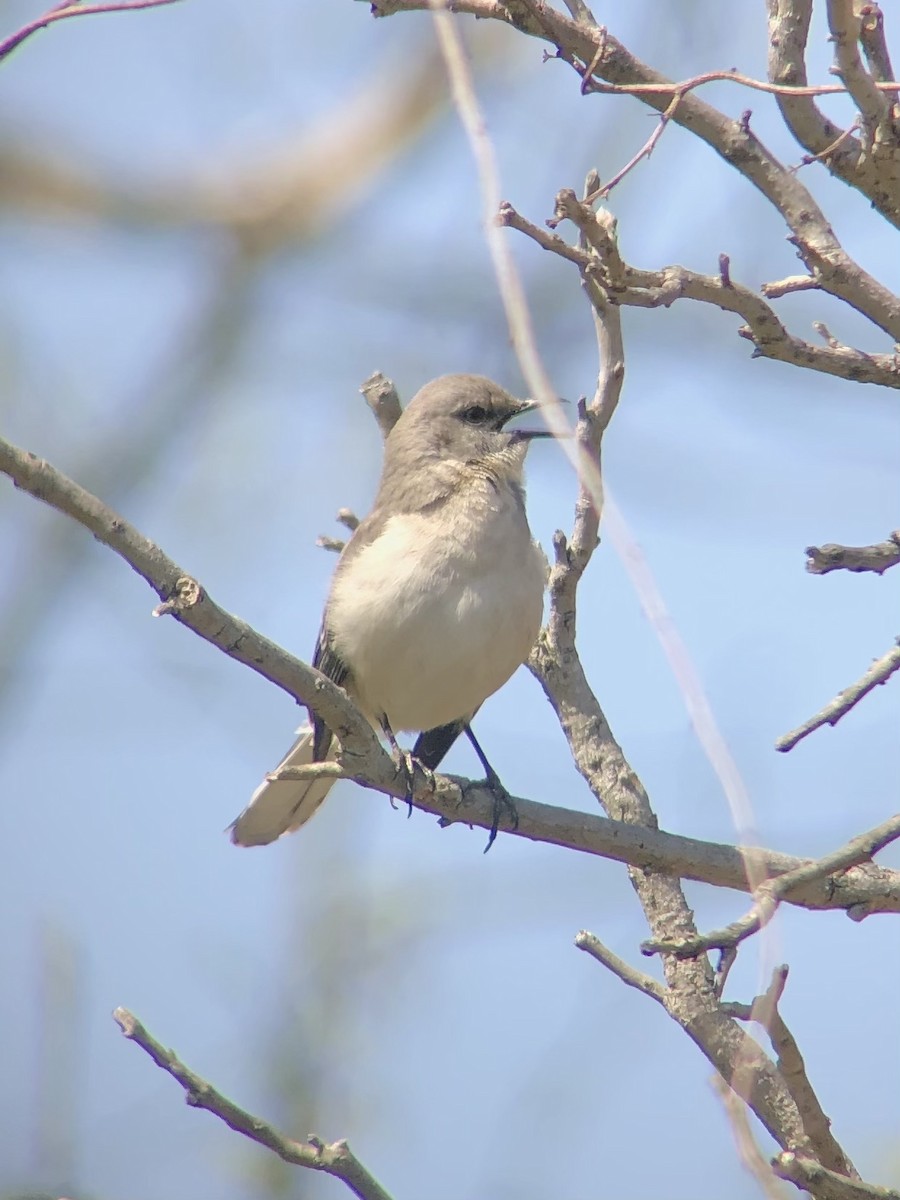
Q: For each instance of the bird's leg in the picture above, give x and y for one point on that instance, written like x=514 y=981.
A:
x=402 y=761
x=503 y=801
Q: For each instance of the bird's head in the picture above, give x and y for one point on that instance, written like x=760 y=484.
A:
x=458 y=423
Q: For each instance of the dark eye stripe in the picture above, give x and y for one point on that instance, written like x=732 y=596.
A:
x=475 y=415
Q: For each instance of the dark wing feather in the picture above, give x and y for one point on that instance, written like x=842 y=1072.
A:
x=433 y=744
x=329 y=663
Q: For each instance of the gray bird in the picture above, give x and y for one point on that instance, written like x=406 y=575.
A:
x=437 y=597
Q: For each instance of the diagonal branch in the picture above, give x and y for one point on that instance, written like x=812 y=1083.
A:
x=790 y=1063
x=880 y=672
x=810 y=1176
x=769 y=895
x=336 y=1159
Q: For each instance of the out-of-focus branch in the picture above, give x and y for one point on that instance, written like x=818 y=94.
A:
x=880 y=672
x=291 y=194
x=833 y=557
x=764 y=1010
x=662 y=288
x=769 y=895
x=296 y=194
x=72 y=8
x=157 y=414
x=860 y=891
x=336 y=1159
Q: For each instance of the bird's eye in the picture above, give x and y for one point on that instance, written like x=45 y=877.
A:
x=477 y=414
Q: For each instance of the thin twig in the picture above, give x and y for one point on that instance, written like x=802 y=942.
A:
x=663 y=287
x=591 y=944
x=833 y=557
x=764 y=1010
x=336 y=1159
x=769 y=894
x=758 y=85
x=602 y=191
x=822 y=155
x=880 y=672
x=75 y=9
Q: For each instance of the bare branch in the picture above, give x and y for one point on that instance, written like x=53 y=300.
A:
x=844 y=25
x=810 y=1176
x=72 y=8
x=788 y=35
x=336 y=1159
x=866 y=890
x=620 y=71
x=603 y=189
x=833 y=557
x=592 y=945
x=183 y=598
x=769 y=895
x=874 y=43
x=381 y=396
x=880 y=672
x=632 y=287
x=764 y=1010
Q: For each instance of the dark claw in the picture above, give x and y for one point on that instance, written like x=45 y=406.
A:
x=503 y=803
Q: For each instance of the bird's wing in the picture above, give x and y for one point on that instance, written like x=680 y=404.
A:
x=433 y=744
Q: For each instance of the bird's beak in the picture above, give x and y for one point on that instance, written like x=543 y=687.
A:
x=528 y=435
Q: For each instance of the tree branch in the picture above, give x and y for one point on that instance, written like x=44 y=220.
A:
x=764 y=1010
x=336 y=1159
x=769 y=895
x=833 y=557
x=591 y=944
x=844 y=26
x=860 y=892
x=810 y=1176
x=880 y=672
x=604 y=64
x=632 y=287
x=72 y=8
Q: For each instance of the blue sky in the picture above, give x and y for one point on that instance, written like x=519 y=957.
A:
x=429 y=997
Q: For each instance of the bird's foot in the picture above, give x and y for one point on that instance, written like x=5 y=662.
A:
x=502 y=805
x=408 y=766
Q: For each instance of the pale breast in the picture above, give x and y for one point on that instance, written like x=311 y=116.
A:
x=437 y=613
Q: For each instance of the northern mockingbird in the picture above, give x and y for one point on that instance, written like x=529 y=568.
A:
x=437 y=597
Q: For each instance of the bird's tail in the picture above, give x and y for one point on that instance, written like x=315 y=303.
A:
x=282 y=805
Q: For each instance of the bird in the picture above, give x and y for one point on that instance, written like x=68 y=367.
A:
x=437 y=597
